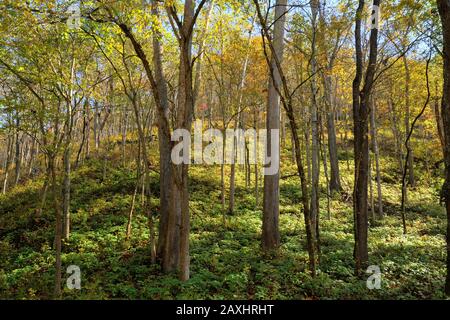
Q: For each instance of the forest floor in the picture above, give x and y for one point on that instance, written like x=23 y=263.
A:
x=226 y=261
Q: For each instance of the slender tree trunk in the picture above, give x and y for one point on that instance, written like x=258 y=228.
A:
x=271 y=211
x=84 y=137
x=66 y=194
x=361 y=112
x=308 y=149
x=151 y=223
x=376 y=152
x=186 y=108
x=131 y=212
x=124 y=135
x=371 y=197
x=136 y=188
x=411 y=179
x=164 y=140
x=7 y=163
x=58 y=226
x=67 y=164
x=247 y=167
x=439 y=123
x=310 y=241
x=256 y=127
x=335 y=181
x=88 y=131
x=283 y=130
x=288 y=106
x=315 y=165
x=222 y=175
x=96 y=126
x=232 y=182
x=18 y=149
x=325 y=169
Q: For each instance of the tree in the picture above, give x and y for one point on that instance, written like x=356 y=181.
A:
x=361 y=113
x=271 y=211
x=286 y=96
x=444 y=12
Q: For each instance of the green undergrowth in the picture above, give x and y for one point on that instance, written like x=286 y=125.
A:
x=226 y=260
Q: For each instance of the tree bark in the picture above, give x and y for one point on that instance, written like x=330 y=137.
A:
x=287 y=103
x=361 y=112
x=67 y=153
x=165 y=164
x=271 y=211
x=335 y=180
x=186 y=108
x=7 y=163
x=58 y=226
x=376 y=152
x=439 y=124
x=17 y=155
x=315 y=165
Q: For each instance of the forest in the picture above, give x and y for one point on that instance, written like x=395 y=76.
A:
x=224 y=150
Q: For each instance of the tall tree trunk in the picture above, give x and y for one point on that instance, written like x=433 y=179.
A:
x=335 y=180
x=96 y=125
x=444 y=11
x=136 y=188
x=184 y=121
x=315 y=165
x=124 y=134
x=67 y=154
x=256 y=127
x=310 y=241
x=7 y=163
x=288 y=106
x=325 y=168
x=411 y=179
x=371 y=197
x=376 y=152
x=164 y=140
x=175 y=246
x=17 y=155
x=58 y=226
x=307 y=135
x=361 y=112
x=271 y=211
x=151 y=223
x=66 y=194
x=84 y=135
x=440 y=126
x=88 y=131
